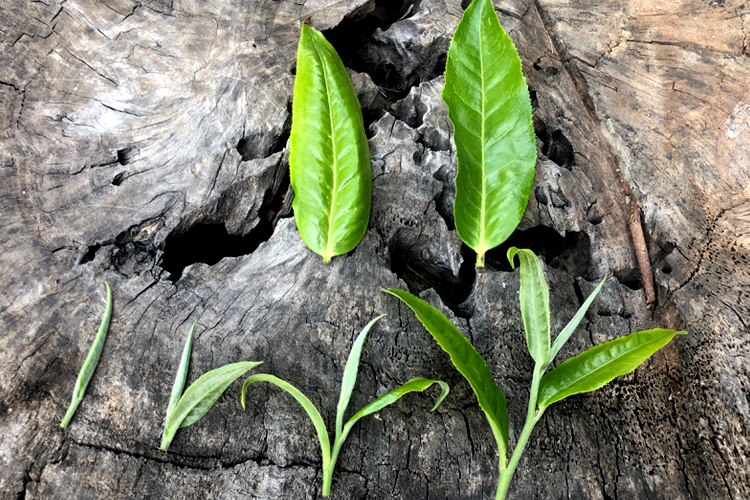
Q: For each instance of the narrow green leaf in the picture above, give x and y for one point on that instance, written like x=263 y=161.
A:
x=312 y=412
x=182 y=371
x=413 y=385
x=566 y=332
x=467 y=361
x=597 y=366
x=329 y=156
x=489 y=106
x=201 y=396
x=350 y=374
x=87 y=371
x=534 y=297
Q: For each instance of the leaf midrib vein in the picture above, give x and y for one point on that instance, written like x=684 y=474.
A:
x=599 y=368
x=484 y=172
x=331 y=219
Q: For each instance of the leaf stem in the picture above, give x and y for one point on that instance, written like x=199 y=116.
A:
x=532 y=417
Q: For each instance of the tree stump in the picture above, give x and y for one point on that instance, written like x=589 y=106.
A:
x=145 y=143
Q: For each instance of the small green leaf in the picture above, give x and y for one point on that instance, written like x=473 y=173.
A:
x=201 y=396
x=566 y=332
x=329 y=156
x=534 y=297
x=87 y=371
x=182 y=371
x=413 y=385
x=597 y=366
x=467 y=361
x=350 y=374
x=312 y=412
x=490 y=108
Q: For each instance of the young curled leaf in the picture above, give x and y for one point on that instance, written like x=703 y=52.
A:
x=201 y=396
x=413 y=385
x=467 y=361
x=534 y=298
x=92 y=360
x=309 y=407
x=330 y=453
x=597 y=366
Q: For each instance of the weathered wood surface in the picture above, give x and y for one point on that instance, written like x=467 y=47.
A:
x=126 y=124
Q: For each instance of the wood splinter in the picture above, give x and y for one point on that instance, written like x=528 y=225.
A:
x=641 y=253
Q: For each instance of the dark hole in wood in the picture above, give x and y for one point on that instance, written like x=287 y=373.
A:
x=631 y=278
x=421 y=272
x=90 y=254
x=117 y=180
x=209 y=243
x=126 y=155
x=257 y=146
x=571 y=253
x=555 y=145
x=351 y=35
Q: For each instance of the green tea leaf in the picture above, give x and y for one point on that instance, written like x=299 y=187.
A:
x=350 y=374
x=312 y=412
x=413 y=385
x=489 y=106
x=467 y=361
x=201 y=396
x=182 y=371
x=534 y=297
x=329 y=156
x=87 y=371
x=566 y=332
x=597 y=366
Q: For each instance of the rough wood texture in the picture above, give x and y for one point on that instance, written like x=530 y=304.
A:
x=140 y=137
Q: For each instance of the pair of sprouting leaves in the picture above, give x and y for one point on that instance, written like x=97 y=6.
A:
x=488 y=103
x=203 y=393
x=586 y=372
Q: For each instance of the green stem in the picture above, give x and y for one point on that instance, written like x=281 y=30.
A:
x=328 y=471
x=532 y=417
x=327 y=478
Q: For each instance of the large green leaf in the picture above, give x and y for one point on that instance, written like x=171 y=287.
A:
x=467 y=361
x=350 y=374
x=329 y=158
x=201 y=396
x=92 y=360
x=534 y=298
x=597 y=366
x=489 y=105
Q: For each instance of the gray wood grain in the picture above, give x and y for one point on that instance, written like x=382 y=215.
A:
x=125 y=124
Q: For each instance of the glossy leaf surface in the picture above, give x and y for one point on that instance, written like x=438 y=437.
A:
x=534 y=298
x=92 y=360
x=597 y=366
x=467 y=361
x=489 y=106
x=566 y=332
x=329 y=156
x=201 y=396
x=350 y=374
